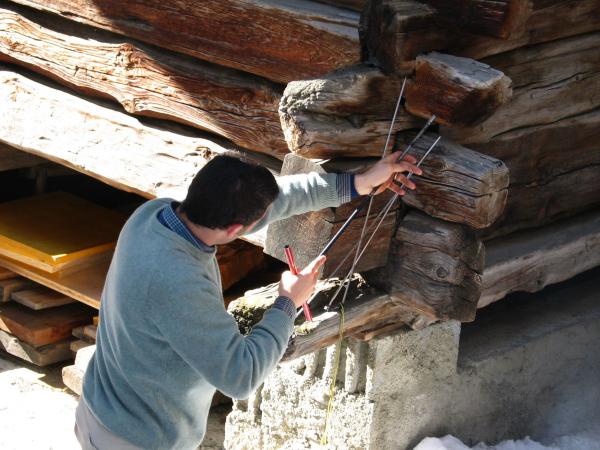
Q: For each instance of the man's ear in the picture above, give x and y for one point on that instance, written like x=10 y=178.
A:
x=233 y=230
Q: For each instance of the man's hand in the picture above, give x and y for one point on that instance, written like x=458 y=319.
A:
x=300 y=287
x=382 y=175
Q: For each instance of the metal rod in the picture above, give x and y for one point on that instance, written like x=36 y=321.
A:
x=382 y=214
x=372 y=193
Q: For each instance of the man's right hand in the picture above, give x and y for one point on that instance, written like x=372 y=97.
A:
x=300 y=287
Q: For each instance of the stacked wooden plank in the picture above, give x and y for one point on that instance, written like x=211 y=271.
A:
x=312 y=86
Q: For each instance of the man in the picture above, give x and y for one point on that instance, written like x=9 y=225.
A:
x=165 y=341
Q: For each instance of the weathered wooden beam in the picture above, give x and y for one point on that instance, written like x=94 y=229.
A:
x=533 y=259
x=434 y=268
x=308 y=233
x=551 y=81
x=394 y=32
x=95 y=139
x=43 y=327
x=148 y=81
x=553 y=171
x=40 y=356
x=281 y=41
x=487 y=17
x=458 y=184
x=459 y=91
x=346 y=113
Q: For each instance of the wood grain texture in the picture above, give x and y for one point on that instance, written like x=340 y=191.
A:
x=394 y=32
x=9 y=286
x=251 y=36
x=459 y=91
x=43 y=327
x=551 y=81
x=40 y=297
x=236 y=260
x=487 y=17
x=40 y=356
x=99 y=141
x=533 y=259
x=434 y=268
x=553 y=171
x=347 y=113
x=458 y=184
x=147 y=81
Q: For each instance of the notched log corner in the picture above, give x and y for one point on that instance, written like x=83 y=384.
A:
x=434 y=268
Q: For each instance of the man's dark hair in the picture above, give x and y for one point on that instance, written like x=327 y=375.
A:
x=229 y=190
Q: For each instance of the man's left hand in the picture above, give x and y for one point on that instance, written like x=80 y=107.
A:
x=386 y=173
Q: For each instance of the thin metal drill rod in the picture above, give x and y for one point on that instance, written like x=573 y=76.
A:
x=349 y=274
x=380 y=216
x=359 y=208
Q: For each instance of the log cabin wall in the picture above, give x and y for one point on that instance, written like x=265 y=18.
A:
x=140 y=96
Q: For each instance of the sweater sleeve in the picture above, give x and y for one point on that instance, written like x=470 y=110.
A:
x=306 y=192
x=193 y=319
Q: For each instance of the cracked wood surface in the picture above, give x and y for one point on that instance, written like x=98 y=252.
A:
x=551 y=81
x=434 y=268
x=458 y=184
x=531 y=260
x=147 y=81
x=459 y=91
x=279 y=40
x=346 y=113
x=98 y=140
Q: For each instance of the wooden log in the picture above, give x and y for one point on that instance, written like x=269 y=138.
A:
x=458 y=184
x=280 y=41
x=434 y=268
x=459 y=91
x=43 y=327
x=147 y=81
x=40 y=297
x=9 y=286
x=551 y=81
x=347 y=113
x=308 y=233
x=487 y=17
x=533 y=259
x=40 y=356
x=394 y=32
x=95 y=139
x=11 y=159
x=552 y=170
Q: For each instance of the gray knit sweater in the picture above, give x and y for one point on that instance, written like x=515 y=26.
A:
x=165 y=341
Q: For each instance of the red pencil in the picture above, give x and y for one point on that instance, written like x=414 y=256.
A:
x=292 y=264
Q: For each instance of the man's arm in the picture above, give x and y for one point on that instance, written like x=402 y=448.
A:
x=313 y=191
x=306 y=192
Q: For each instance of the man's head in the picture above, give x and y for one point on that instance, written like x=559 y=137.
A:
x=229 y=193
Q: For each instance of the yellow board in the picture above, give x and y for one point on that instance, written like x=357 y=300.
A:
x=56 y=231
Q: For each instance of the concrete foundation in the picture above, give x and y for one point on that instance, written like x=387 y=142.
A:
x=529 y=365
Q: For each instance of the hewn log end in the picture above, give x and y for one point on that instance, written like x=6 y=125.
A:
x=434 y=268
x=459 y=91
